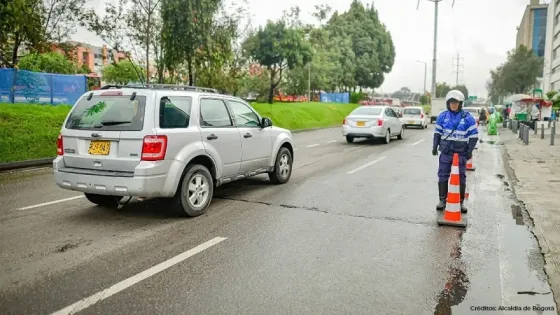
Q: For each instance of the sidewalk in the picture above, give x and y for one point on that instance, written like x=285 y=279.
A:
x=536 y=183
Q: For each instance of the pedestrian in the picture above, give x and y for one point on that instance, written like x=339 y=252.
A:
x=455 y=132
x=535 y=113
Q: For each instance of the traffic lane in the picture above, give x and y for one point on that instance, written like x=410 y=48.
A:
x=24 y=188
x=278 y=260
x=31 y=240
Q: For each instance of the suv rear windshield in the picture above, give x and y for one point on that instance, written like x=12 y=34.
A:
x=367 y=111
x=412 y=111
x=108 y=113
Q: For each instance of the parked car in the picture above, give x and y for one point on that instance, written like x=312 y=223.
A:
x=414 y=116
x=372 y=122
x=176 y=142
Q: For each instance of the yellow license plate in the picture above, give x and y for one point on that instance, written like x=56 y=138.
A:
x=361 y=123
x=412 y=122
x=99 y=147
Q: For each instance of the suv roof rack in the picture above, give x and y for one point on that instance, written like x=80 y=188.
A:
x=161 y=87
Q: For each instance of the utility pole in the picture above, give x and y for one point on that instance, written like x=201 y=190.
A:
x=458 y=67
x=434 y=61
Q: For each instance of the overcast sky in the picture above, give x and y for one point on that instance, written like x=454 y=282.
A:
x=480 y=31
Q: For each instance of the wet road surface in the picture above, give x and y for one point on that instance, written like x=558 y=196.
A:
x=353 y=232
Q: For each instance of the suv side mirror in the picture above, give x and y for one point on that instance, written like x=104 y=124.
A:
x=266 y=122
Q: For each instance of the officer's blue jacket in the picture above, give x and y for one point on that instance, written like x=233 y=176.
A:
x=462 y=140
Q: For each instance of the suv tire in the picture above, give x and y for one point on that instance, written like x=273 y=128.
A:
x=282 y=167
x=103 y=200
x=196 y=181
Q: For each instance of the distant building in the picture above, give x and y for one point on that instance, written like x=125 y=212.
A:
x=94 y=57
x=551 y=73
x=532 y=30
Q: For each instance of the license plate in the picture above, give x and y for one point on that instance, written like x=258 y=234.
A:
x=361 y=123
x=412 y=122
x=99 y=147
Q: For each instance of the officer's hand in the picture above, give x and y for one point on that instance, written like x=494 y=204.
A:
x=434 y=151
x=469 y=155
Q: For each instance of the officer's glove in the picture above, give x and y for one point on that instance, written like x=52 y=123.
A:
x=434 y=151
x=469 y=155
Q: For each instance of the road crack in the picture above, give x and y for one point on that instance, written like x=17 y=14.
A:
x=315 y=209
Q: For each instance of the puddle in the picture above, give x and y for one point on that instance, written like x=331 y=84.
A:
x=457 y=285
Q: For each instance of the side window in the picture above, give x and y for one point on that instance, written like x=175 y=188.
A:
x=390 y=112
x=244 y=116
x=174 y=112
x=214 y=113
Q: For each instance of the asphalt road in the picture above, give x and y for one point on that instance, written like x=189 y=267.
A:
x=353 y=232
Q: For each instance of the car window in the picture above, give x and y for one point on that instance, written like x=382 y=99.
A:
x=174 y=112
x=244 y=116
x=108 y=113
x=214 y=113
x=367 y=111
x=389 y=112
x=412 y=111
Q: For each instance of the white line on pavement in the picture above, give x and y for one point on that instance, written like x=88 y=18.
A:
x=313 y=145
x=50 y=203
x=419 y=141
x=99 y=296
x=366 y=165
x=332 y=141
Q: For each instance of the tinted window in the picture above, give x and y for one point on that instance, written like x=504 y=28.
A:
x=214 y=113
x=412 y=111
x=108 y=113
x=174 y=112
x=244 y=116
x=366 y=111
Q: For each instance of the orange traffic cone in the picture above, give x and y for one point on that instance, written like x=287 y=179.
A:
x=452 y=214
x=470 y=165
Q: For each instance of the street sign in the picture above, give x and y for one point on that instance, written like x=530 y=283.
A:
x=537 y=93
x=472 y=97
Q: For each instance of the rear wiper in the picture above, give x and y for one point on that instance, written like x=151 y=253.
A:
x=112 y=123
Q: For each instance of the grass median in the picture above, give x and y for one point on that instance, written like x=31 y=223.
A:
x=29 y=131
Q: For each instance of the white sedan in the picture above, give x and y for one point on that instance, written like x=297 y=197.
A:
x=414 y=116
x=372 y=122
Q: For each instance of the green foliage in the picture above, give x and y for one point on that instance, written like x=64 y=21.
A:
x=356 y=97
x=123 y=72
x=424 y=99
x=442 y=89
x=52 y=62
x=517 y=75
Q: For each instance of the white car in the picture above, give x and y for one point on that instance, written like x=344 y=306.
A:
x=372 y=122
x=415 y=117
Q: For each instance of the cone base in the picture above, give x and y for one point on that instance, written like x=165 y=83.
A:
x=441 y=221
x=471 y=169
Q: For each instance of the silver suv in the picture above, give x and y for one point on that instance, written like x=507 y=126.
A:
x=177 y=142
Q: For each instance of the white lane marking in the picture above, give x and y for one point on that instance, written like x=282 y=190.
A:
x=419 y=141
x=50 y=203
x=99 y=296
x=332 y=141
x=366 y=165
x=313 y=145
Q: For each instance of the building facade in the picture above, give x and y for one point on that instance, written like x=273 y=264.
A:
x=94 y=57
x=551 y=77
x=532 y=30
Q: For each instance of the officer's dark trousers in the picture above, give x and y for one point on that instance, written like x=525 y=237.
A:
x=444 y=170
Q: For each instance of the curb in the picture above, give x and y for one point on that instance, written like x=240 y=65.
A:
x=25 y=164
x=47 y=161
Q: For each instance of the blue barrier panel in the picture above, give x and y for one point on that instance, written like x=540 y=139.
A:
x=343 y=98
x=21 y=86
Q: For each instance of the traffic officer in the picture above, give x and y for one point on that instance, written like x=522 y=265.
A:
x=455 y=132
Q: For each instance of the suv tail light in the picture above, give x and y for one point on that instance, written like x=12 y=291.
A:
x=421 y=116
x=59 y=146
x=380 y=122
x=344 y=121
x=154 y=148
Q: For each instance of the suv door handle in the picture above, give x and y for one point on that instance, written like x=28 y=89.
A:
x=247 y=135
x=212 y=137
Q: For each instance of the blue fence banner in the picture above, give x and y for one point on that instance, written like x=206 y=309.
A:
x=21 y=86
x=343 y=98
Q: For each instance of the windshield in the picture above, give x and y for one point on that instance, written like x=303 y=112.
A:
x=374 y=111
x=412 y=111
x=108 y=113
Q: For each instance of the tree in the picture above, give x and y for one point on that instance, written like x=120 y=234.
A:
x=278 y=48
x=442 y=89
x=52 y=62
x=59 y=18
x=122 y=73
x=145 y=28
x=517 y=75
x=186 y=26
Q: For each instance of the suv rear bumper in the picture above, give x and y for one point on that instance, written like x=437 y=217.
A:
x=113 y=185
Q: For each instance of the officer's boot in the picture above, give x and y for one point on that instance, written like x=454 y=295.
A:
x=463 y=189
x=442 y=188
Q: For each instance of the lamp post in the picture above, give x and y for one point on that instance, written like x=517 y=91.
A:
x=425 y=73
